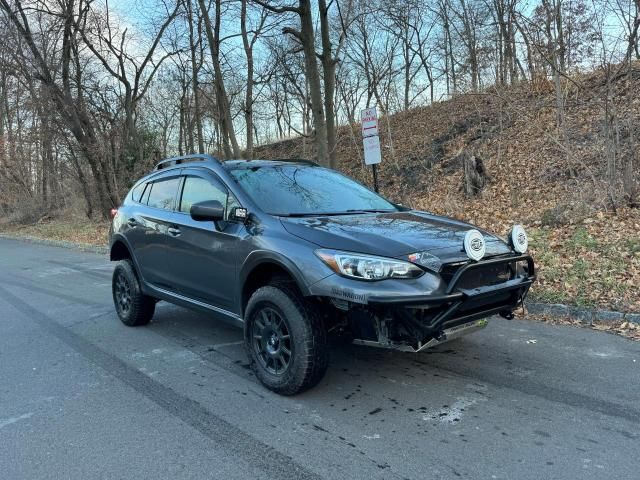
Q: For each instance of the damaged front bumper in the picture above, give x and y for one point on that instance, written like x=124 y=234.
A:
x=445 y=336
x=398 y=315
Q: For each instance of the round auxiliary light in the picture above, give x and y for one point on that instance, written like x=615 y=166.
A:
x=519 y=239
x=474 y=245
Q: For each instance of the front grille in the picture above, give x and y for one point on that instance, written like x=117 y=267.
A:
x=480 y=276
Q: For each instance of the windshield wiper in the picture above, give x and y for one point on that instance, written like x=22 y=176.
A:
x=328 y=214
x=310 y=214
x=369 y=210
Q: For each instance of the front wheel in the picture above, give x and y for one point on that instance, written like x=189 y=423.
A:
x=285 y=340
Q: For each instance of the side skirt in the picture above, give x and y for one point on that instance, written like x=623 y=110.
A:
x=182 y=301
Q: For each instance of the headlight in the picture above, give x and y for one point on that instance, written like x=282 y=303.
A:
x=427 y=260
x=367 y=267
x=518 y=238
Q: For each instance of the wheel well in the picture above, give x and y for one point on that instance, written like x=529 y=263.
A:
x=264 y=274
x=119 y=251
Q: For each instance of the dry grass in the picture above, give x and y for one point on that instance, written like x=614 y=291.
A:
x=78 y=230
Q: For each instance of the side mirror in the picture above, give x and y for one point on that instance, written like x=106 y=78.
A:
x=210 y=210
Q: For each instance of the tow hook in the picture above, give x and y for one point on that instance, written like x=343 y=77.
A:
x=507 y=314
x=441 y=337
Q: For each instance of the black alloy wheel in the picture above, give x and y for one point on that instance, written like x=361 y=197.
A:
x=285 y=338
x=134 y=308
x=271 y=340
x=122 y=293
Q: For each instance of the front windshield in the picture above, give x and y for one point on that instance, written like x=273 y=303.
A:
x=306 y=190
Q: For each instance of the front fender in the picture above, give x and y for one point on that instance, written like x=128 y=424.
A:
x=259 y=257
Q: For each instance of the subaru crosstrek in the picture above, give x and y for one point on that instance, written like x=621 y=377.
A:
x=292 y=252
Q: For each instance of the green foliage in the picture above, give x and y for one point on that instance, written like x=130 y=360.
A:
x=548 y=296
x=633 y=245
x=581 y=240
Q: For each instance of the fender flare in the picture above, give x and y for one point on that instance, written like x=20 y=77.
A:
x=260 y=257
x=117 y=237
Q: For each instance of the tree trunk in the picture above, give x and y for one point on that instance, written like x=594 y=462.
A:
x=197 y=117
x=560 y=40
x=229 y=141
x=307 y=38
x=46 y=148
x=449 y=48
x=248 y=99
x=475 y=174
x=632 y=41
x=329 y=69
x=554 y=60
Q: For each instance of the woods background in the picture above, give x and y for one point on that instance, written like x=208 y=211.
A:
x=92 y=94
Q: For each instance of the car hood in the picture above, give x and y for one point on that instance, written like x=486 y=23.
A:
x=392 y=234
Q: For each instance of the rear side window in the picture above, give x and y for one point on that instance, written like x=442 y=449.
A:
x=145 y=196
x=198 y=189
x=136 y=193
x=163 y=193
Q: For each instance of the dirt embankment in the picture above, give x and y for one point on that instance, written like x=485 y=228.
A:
x=557 y=182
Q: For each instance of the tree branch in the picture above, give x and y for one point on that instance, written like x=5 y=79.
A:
x=277 y=9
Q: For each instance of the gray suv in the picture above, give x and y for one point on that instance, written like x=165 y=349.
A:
x=293 y=252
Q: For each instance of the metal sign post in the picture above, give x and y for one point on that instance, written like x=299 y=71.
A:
x=375 y=178
x=371 y=141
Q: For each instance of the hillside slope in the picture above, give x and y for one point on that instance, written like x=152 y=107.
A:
x=557 y=183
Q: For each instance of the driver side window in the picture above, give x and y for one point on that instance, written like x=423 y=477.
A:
x=197 y=189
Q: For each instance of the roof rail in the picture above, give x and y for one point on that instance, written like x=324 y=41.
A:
x=173 y=161
x=299 y=160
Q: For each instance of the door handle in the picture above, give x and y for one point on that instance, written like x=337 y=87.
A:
x=132 y=222
x=173 y=231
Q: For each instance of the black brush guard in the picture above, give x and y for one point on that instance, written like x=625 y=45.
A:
x=428 y=315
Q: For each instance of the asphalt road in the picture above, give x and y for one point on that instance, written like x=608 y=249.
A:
x=82 y=396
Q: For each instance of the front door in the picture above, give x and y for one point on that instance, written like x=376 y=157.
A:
x=206 y=261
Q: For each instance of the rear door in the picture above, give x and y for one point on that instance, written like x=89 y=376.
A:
x=205 y=264
x=150 y=230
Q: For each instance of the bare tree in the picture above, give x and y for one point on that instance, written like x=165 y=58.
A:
x=249 y=39
x=305 y=36
x=195 y=41
x=229 y=140
x=62 y=80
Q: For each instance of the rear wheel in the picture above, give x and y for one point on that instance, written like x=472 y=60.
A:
x=285 y=340
x=133 y=307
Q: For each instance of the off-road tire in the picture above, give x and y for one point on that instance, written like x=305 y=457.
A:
x=140 y=307
x=310 y=353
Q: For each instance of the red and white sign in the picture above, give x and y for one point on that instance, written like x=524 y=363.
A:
x=369 y=118
x=372 y=150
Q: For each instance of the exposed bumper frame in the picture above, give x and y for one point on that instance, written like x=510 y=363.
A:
x=447 y=335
